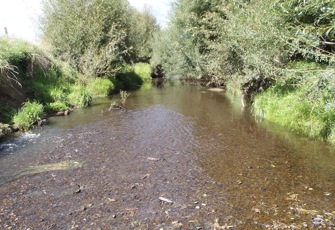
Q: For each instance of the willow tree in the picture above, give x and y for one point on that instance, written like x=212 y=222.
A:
x=95 y=36
x=143 y=26
x=182 y=48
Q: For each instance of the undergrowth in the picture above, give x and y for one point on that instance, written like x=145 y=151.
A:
x=51 y=84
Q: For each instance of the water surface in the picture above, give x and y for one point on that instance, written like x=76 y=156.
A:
x=266 y=177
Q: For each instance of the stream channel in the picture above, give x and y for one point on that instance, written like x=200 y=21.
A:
x=178 y=157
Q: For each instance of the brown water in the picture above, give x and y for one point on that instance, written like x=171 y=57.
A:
x=250 y=174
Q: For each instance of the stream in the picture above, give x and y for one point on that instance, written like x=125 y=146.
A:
x=178 y=157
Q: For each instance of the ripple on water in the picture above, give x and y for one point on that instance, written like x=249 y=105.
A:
x=16 y=143
x=160 y=128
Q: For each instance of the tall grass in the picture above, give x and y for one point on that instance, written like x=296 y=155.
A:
x=303 y=104
x=28 y=114
x=79 y=96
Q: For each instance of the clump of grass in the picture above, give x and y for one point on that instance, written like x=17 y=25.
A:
x=79 y=96
x=57 y=106
x=29 y=114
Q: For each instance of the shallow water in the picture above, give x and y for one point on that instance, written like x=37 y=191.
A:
x=267 y=176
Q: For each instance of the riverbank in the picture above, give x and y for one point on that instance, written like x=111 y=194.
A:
x=34 y=85
x=302 y=102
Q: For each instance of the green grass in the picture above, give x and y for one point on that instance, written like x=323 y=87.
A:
x=28 y=114
x=143 y=71
x=13 y=50
x=79 y=96
x=299 y=109
x=54 y=85
x=100 y=87
x=132 y=77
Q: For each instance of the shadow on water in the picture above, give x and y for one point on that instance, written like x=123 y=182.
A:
x=32 y=170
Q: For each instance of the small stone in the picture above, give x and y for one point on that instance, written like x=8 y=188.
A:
x=316 y=224
x=152 y=159
x=165 y=200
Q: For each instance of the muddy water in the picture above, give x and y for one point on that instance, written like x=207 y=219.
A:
x=220 y=167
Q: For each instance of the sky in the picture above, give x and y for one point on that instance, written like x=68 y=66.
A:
x=20 y=17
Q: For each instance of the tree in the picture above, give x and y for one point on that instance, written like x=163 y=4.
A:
x=97 y=37
x=143 y=25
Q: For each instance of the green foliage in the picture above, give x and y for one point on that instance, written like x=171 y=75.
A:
x=312 y=24
x=97 y=37
x=123 y=97
x=57 y=106
x=306 y=108
x=142 y=26
x=89 y=34
x=16 y=57
x=79 y=96
x=143 y=71
x=14 y=51
x=221 y=39
x=6 y=112
x=100 y=87
x=129 y=79
x=29 y=113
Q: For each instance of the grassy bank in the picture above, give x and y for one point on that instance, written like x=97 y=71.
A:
x=33 y=84
x=304 y=102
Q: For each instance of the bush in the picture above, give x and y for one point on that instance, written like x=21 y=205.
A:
x=100 y=87
x=28 y=114
x=129 y=79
